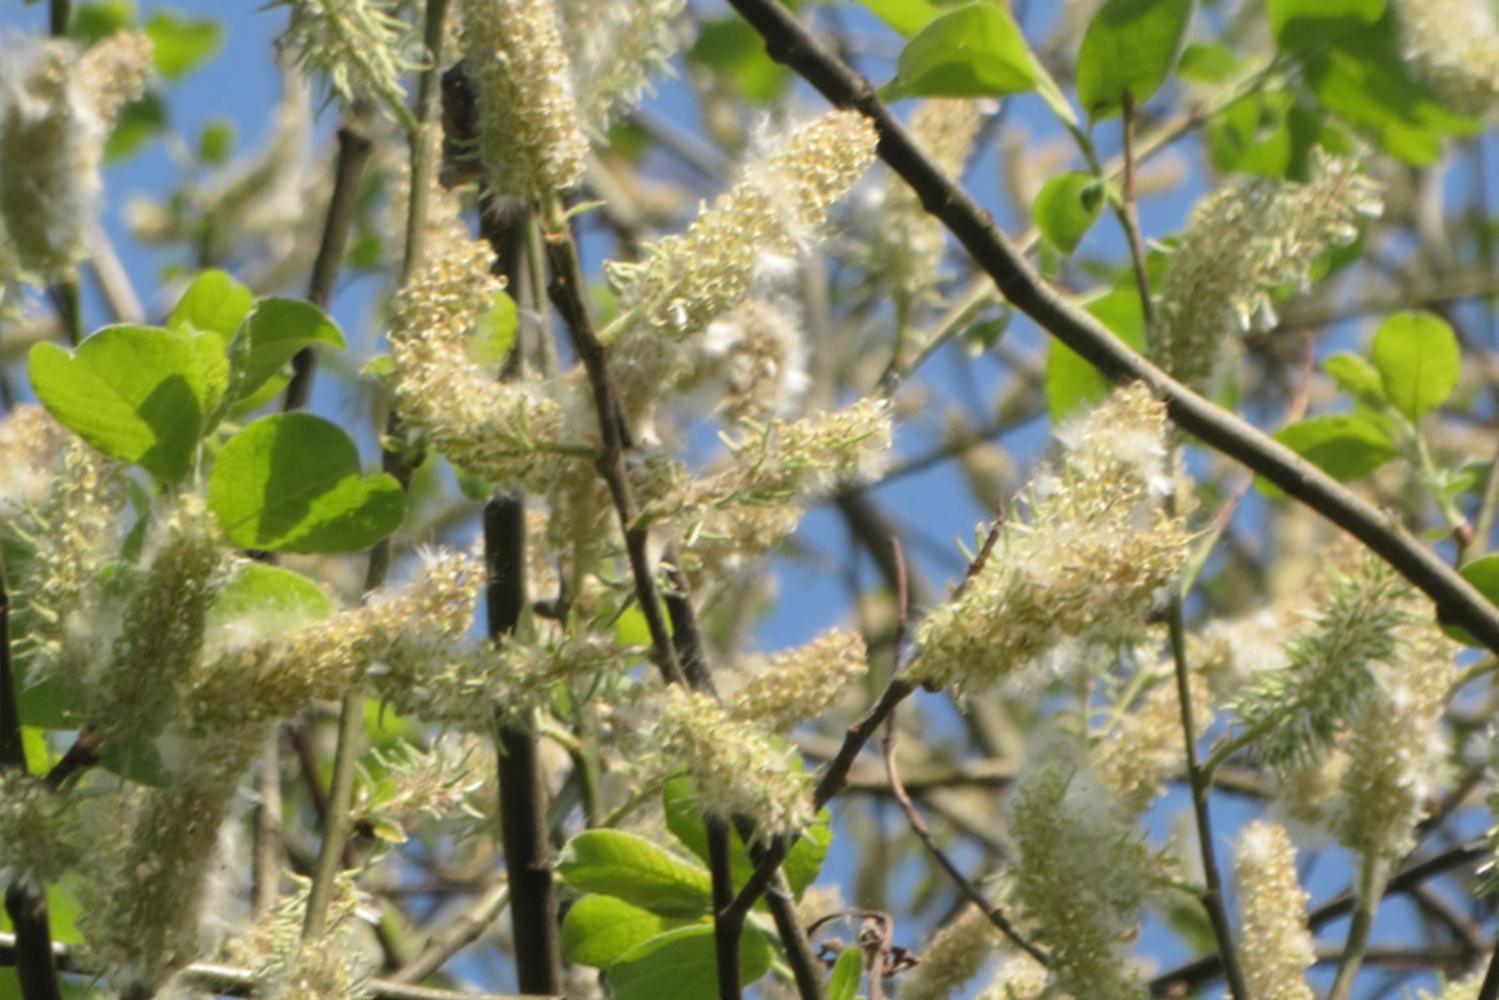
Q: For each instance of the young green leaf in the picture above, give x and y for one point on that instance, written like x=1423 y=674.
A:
x=1419 y=362
x=905 y=16
x=495 y=335
x=637 y=871
x=976 y=50
x=1301 y=24
x=1357 y=377
x=599 y=930
x=1071 y=381
x=1483 y=574
x=181 y=45
x=843 y=983
x=682 y=965
x=1345 y=446
x=272 y=334
x=214 y=301
x=272 y=598
x=291 y=483
x=140 y=394
x=1130 y=48
x=1067 y=207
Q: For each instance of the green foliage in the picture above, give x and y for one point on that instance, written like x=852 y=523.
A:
x=269 y=596
x=271 y=335
x=683 y=964
x=1418 y=360
x=1306 y=24
x=1129 y=49
x=637 y=871
x=139 y=122
x=735 y=49
x=140 y=394
x=291 y=482
x=1066 y=208
x=1072 y=382
x=843 y=982
x=976 y=50
x=215 y=302
x=183 y=45
x=599 y=929
x=905 y=16
x=1483 y=574
x=1345 y=446
x=495 y=337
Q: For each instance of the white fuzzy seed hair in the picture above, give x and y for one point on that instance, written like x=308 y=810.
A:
x=1277 y=946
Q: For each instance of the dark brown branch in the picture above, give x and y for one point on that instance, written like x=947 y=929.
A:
x=787 y=41
x=354 y=148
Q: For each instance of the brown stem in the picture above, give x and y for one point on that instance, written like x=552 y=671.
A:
x=354 y=148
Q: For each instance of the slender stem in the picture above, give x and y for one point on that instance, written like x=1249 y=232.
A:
x=1489 y=989
x=354 y=148
x=1373 y=873
x=1129 y=218
x=726 y=930
x=338 y=820
x=423 y=139
x=1202 y=784
x=1456 y=600
x=464 y=929
x=266 y=875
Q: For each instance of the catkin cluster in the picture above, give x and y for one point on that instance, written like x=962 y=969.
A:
x=1455 y=45
x=53 y=123
x=1277 y=946
x=1242 y=246
x=1088 y=559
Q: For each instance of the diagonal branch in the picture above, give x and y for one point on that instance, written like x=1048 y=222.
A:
x=1457 y=602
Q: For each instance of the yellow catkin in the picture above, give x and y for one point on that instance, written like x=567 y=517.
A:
x=1088 y=559
x=955 y=955
x=801 y=683
x=779 y=203
x=739 y=769
x=531 y=142
x=1147 y=746
x=1277 y=946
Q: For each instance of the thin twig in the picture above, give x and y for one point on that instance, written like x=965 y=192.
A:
x=1372 y=873
x=354 y=149
x=914 y=818
x=463 y=930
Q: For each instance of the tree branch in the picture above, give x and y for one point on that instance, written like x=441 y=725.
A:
x=787 y=41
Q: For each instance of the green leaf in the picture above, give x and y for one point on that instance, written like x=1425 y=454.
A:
x=271 y=599
x=137 y=762
x=1419 y=362
x=272 y=334
x=1072 y=383
x=1357 y=377
x=682 y=965
x=1345 y=446
x=1483 y=574
x=637 y=871
x=731 y=46
x=139 y=122
x=181 y=44
x=599 y=930
x=214 y=301
x=1067 y=207
x=843 y=983
x=1363 y=78
x=1305 y=24
x=976 y=50
x=1207 y=62
x=291 y=482
x=216 y=142
x=1130 y=47
x=495 y=336
x=140 y=394
x=92 y=22
x=905 y=16
x=1272 y=133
